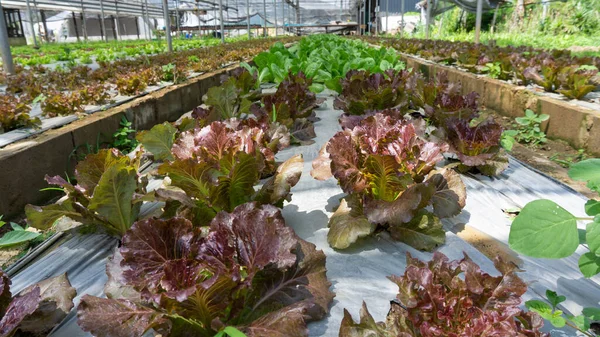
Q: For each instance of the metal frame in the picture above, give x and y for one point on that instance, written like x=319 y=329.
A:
x=120 y=8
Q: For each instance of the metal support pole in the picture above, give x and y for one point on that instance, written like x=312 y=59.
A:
x=275 y=5
x=478 y=20
x=177 y=16
x=298 y=16
x=377 y=11
x=83 y=27
x=387 y=16
x=30 y=14
x=114 y=30
x=368 y=16
x=265 y=18
x=221 y=19
x=75 y=26
x=199 y=24
x=402 y=18
x=83 y=22
x=427 y=18
x=147 y=28
x=494 y=19
x=102 y=20
x=358 y=19
x=118 y=29
x=167 y=25
x=137 y=27
x=283 y=14
x=248 y=18
x=7 y=60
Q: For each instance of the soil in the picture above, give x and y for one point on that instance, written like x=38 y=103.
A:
x=547 y=158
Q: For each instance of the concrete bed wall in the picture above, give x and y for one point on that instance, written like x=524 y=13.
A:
x=24 y=164
x=577 y=125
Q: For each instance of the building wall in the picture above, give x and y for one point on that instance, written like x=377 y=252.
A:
x=127 y=26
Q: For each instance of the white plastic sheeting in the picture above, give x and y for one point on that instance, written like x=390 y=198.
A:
x=359 y=273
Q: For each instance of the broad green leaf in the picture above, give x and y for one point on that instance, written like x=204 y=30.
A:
x=589 y=264
x=223 y=99
x=113 y=196
x=592 y=207
x=16 y=226
x=544 y=229
x=592 y=237
x=278 y=73
x=554 y=298
x=322 y=76
x=44 y=217
x=316 y=88
x=346 y=226
x=384 y=65
x=334 y=84
x=545 y=310
x=592 y=313
x=233 y=332
x=265 y=75
x=15 y=237
x=581 y=321
x=423 y=232
x=159 y=140
x=89 y=171
x=589 y=171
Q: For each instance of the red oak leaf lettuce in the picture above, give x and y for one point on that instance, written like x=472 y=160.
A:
x=249 y=271
x=37 y=309
x=387 y=170
x=451 y=298
x=477 y=146
x=363 y=91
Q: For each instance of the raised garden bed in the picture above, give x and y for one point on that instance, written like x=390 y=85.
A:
x=407 y=167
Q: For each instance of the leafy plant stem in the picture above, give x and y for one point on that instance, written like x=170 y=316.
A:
x=567 y=322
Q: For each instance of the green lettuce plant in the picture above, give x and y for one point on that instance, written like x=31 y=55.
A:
x=108 y=195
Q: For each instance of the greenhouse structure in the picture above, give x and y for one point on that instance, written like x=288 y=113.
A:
x=300 y=168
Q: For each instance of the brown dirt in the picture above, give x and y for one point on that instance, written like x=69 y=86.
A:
x=540 y=156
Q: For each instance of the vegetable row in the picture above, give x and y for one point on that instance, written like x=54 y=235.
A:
x=218 y=256
x=66 y=91
x=553 y=70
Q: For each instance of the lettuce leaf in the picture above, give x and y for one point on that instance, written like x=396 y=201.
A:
x=37 y=309
x=451 y=298
x=250 y=271
x=108 y=194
